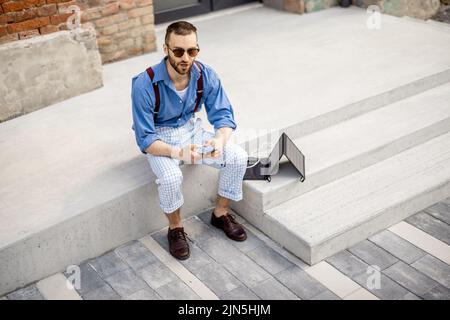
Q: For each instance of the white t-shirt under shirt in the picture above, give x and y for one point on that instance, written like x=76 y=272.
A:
x=183 y=94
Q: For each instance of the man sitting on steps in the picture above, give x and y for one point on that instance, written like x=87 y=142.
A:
x=164 y=100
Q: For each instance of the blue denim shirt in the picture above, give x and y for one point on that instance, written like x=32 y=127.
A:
x=172 y=111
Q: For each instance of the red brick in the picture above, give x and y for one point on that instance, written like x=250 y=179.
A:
x=1 y=9
x=133 y=13
x=46 y=10
x=9 y=38
x=60 y=18
x=65 y=7
x=48 y=29
x=126 y=4
x=20 y=5
x=3 y=31
x=7 y=18
x=29 y=34
x=28 y=25
x=110 y=9
x=23 y=15
x=143 y=3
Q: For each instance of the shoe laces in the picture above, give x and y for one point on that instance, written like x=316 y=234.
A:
x=179 y=234
x=230 y=219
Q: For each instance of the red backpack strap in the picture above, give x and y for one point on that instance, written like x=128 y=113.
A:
x=151 y=74
x=199 y=87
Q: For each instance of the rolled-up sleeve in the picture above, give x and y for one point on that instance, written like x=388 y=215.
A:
x=143 y=112
x=218 y=107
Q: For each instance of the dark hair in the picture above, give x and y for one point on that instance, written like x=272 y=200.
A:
x=180 y=28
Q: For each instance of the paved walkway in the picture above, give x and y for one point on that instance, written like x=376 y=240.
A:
x=410 y=260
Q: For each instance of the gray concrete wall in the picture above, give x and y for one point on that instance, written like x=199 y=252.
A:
x=37 y=72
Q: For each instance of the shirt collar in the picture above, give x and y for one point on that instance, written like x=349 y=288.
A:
x=161 y=73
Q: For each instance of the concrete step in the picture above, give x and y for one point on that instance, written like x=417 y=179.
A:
x=354 y=144
x=337 y=215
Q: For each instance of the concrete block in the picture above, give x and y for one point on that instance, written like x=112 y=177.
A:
x=388 y=290
x=125 y=282
x=372 y=254
x=269 y=259
x=434 y=268
x=397 y=246
x=28 y=293
x=104 y=292
x=347 y=263
x=410 y=278
x=435 y=227
x=44 y=70
x=176 y=290
x=271 y=289
x=143 y=294
x=437 y=293
x=217 y=278
x=300 y=283
x=440 y=211
x=240 y=293
x=135 y=255
x=108 y=264
x=156 y=275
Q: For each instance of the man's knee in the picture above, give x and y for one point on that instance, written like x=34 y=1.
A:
x=239 y=155
x=172 y=178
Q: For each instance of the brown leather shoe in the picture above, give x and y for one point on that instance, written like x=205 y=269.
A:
x=228 y=224
x=178 y=246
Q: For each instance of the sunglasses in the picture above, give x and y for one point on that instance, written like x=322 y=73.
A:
x=179 y=52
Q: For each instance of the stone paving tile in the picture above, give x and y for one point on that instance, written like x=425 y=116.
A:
x=217 y=278
x=108 y=264
x=410 y=278
x=30 y=292
x=157 y=275
x=135 y=254
x=300 y=283
x=372 y=254
x=326 y=295
x=144 y=294
x=397 y=246
x=240 y=293
x=409 y=296
x=176 y=290
x=435 y=227
x=161 y=238
x=197 y=230
x=241 y=266
x=125 y=282
x=89 y=279
x=197 y=260
x=271 y=289
x=388 y=289
x=441 y=211
x=105 y=292
x=434 y=268
x=347 y=263
x=437 y=293
x=269 y=259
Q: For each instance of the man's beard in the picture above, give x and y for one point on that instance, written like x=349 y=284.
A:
x=177 y=68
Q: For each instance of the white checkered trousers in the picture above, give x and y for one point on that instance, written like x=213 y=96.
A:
x=232 y=164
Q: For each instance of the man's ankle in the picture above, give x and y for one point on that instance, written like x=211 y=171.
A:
x=171 y=227
x=220 y=212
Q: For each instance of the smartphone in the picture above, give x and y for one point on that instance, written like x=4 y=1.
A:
x=206 y=149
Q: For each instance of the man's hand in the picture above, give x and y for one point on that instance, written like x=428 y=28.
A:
x=187 y=154
x=217 y=144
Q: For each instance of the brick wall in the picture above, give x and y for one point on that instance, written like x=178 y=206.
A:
x=124 y=28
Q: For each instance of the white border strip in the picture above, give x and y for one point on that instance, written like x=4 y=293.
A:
x=422 y=240
x=338 y=283
x=192 y=281
x=57 y=287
